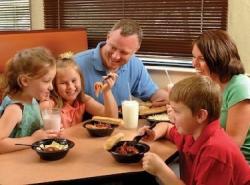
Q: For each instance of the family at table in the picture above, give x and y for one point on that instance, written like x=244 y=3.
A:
x=210 y=111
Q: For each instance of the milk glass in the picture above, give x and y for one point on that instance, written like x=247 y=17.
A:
x=52 y=119
x=130 y=113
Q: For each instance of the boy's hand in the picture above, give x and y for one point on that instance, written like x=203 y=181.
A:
x=152 y=163
x=150 y=134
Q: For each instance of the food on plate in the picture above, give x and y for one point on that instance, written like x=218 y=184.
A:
x=110 y=142
x=126 y=149
x=53 y=147
x=153 y=110
x=98 y=88
x=159 y=117
x=146 y=104
x=143 y=107
x=114 y=121
x=98 y=125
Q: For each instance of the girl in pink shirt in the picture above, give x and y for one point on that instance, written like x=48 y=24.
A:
x=69 y=94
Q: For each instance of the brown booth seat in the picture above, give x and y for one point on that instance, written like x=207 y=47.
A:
x=57 y=40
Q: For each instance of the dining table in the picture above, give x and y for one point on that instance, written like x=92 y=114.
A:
x=87 y=162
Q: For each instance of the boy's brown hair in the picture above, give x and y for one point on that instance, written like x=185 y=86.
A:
x=198 y=92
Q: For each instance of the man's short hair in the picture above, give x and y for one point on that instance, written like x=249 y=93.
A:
x=128 y=27
x=198 y=92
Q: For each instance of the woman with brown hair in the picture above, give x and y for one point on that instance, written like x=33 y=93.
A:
x=216 y=55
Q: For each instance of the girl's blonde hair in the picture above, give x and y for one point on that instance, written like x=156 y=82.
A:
x=33 y=62
x=66 y=60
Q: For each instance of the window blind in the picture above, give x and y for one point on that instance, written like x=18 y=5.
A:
x=15 y=15
x=169 y=26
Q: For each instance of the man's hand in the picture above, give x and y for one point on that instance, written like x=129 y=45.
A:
x=160 y=98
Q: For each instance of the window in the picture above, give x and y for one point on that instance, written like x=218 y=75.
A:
x=14 y=15
x=169 y=25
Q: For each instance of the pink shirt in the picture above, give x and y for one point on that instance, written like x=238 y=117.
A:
x=211 y=159
x=72 y=115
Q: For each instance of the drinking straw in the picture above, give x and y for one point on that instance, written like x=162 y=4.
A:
x=129 y=92
x=169 y=79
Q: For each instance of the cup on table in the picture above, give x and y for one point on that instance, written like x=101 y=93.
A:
x=52 y=119
x=130 y=113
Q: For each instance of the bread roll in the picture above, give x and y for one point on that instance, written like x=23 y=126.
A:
x=110 y=142
x=114 y=121
x=153 y=110
x=145 y=103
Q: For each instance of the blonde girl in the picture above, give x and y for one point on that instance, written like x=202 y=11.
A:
x=28 y=78
x=70 y=97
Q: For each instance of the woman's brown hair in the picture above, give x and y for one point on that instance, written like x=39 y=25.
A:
x=220 y=54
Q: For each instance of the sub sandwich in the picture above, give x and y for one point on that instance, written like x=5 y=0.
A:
x=110 y=142
x=152 y=110
x=114 y=121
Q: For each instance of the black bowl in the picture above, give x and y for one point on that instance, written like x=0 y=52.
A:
x=129 y=158
x=52 y=155
x=98 y=132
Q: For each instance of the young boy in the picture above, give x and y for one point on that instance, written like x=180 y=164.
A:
x=207 y=155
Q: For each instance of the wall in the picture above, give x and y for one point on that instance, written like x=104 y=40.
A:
x=37 y=21
x=238 y=28
x=160 y=77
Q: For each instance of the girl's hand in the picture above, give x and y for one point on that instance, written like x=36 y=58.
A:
x=150 y=134
x=45 y=134
x=152 y=163
x=110 y=80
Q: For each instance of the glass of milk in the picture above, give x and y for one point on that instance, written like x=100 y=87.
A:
x=52 y=119
x=130 y=113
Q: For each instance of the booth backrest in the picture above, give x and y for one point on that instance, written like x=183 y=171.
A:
x=57 y=41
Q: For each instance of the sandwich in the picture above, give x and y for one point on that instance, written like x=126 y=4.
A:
x=152 y=110
x=110 y=142
x=114 y=121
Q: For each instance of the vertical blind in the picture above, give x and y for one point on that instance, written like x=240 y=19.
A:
x=15 y=15
x=169 y=26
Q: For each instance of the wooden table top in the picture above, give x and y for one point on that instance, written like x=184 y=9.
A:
x=87 y=159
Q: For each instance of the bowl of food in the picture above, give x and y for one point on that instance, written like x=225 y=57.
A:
x=129 y=151
x=101 y=126
x=52 y=149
